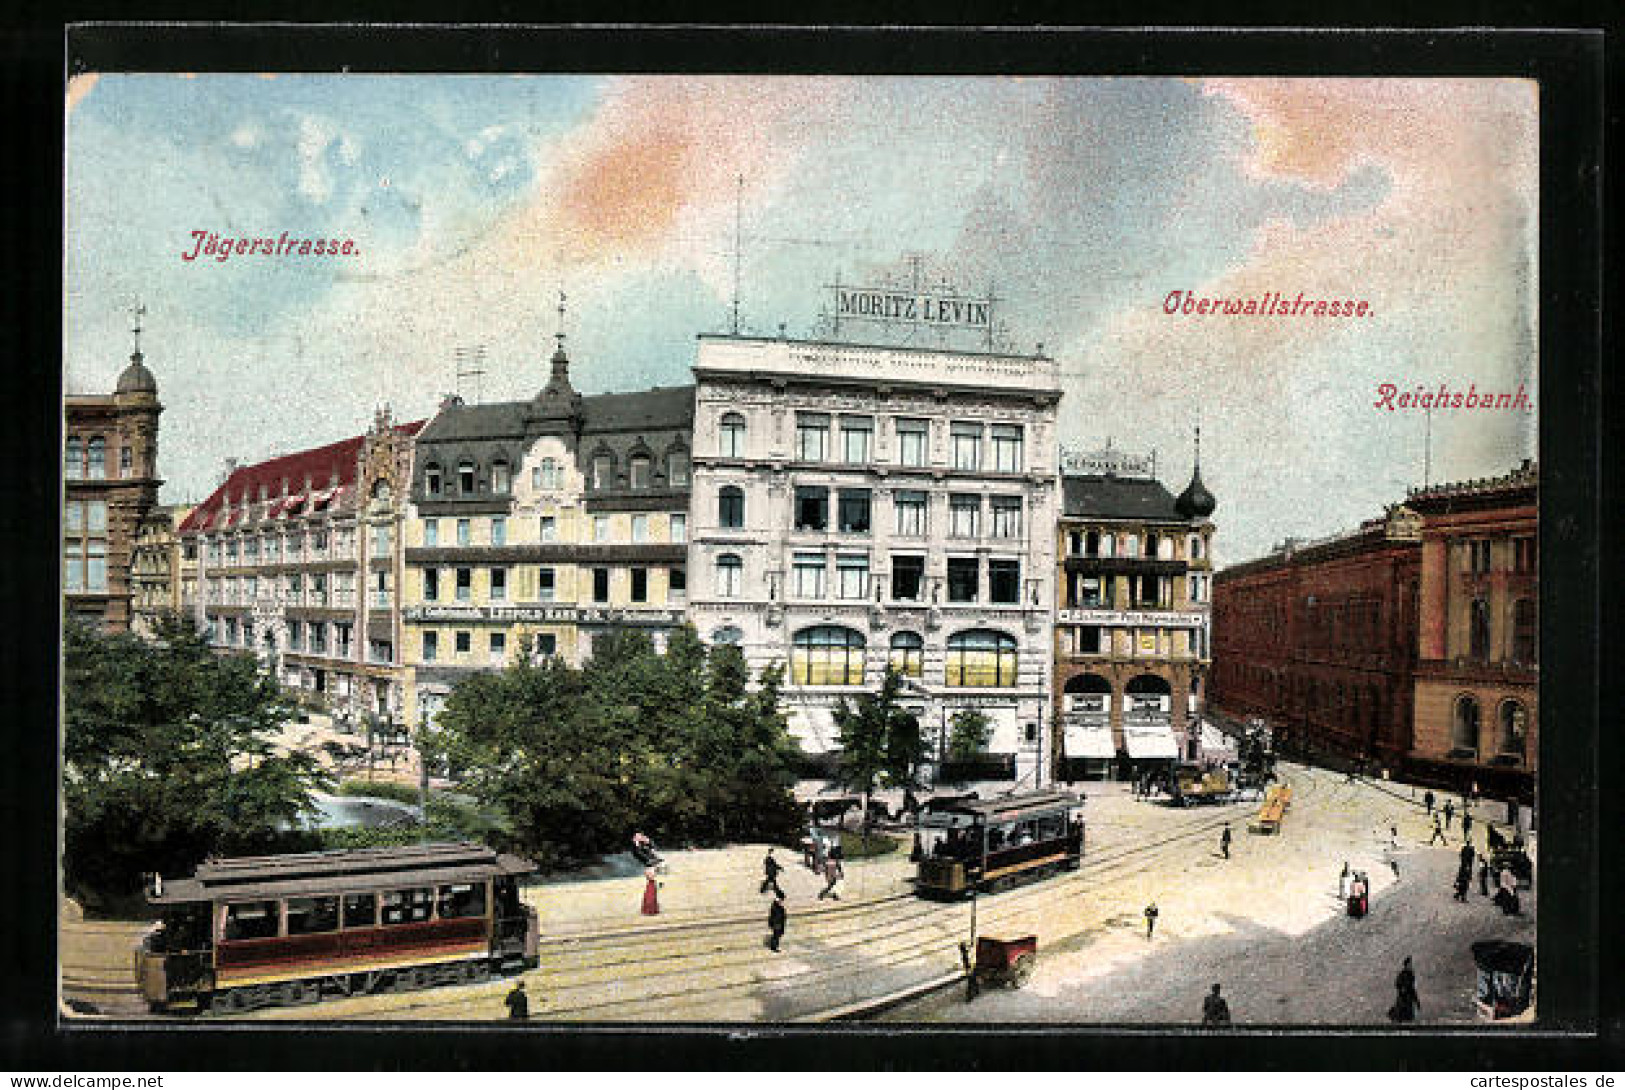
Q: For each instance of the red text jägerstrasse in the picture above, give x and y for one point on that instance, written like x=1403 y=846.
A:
x=1272 y=304
x=211 y=244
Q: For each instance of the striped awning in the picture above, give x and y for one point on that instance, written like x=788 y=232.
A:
x=1151 y=741
x=1086 y=739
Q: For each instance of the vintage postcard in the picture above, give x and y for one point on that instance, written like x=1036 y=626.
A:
x=790 y=549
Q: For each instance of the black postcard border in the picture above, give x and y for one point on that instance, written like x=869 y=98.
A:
x=1579 y=1028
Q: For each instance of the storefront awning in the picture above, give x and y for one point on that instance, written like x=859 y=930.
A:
x=1151 y=742
x=1089 y=740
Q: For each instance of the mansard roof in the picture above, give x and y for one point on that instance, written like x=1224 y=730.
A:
x=320 y=464
x=1111 y=496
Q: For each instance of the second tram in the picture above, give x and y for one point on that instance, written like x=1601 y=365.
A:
x=989 y=845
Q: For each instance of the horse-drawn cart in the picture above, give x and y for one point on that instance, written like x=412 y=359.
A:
x=999 y=962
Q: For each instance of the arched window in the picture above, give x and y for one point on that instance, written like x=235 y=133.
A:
x=730 y=507
x=730 y=573
x=431 y=479
x=639 y=469
x=1478 y=630
x=74 y=462
x=827 y=655
x=603 y=470
x=727 y=634
x=1514 y=725
x=732 y=435
x=499 y=476
x=981 y=658
x=1525 y=645
x=465 y=477
x=97 y=467
x=677 y=469
x=1464 y=728
x=908 y=653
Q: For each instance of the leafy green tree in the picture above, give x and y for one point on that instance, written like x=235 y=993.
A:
x=168 y=759
x=675 y=744
x=881 y=741
x=969 y=733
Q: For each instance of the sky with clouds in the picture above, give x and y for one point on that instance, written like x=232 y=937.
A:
x=473 y=200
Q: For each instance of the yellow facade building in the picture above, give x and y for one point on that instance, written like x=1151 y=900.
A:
x=538 y=525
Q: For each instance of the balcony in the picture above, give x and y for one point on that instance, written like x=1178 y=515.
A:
x=1125 y=565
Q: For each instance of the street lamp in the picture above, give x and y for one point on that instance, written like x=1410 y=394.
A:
x=942 y=729
x=423 y=776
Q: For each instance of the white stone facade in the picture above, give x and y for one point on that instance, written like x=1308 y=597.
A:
x=930 y=462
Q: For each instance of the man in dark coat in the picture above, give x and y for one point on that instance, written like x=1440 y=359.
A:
x=1449 y=812
x=518 y=1003
x=770 y=872
x=1427 y=800
x=1466 y=826
x=1406 y=1002
x=1224 y=841
x=1215 y=1011
x=776 y=918
x=1150 y=919
x=1467 y=854
x=1438 y=832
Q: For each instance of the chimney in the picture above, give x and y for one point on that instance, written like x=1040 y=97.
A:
x=231 y=467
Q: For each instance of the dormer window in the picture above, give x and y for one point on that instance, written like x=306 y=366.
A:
x=640 y=466
x=603 y=471
x=677 y=469
x=499 y=477
x=465 y=477
x=431 y=479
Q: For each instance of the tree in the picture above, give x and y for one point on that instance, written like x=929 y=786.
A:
x=168 y=759
x=969 y=733
x=674 y=744
x=881 y=743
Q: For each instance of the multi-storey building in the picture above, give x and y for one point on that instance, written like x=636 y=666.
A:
x=859 y=506
x=1318 y=639
x=110 y=482
x=539 y=524
x=1479 y=652
x=298 y=560
x=155 y=569
x=1131 y=635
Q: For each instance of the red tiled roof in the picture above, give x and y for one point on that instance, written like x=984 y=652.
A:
x=319 y=463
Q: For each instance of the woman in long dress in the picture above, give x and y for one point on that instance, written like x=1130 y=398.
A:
x=651 y=894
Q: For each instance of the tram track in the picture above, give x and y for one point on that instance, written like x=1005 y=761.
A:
x=864 y=937
x=638 y=974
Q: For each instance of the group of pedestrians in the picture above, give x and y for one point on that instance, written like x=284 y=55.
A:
x=829 y=861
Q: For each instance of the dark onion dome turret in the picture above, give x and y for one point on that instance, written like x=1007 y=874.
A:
x=1196 y=501
x=137 y=379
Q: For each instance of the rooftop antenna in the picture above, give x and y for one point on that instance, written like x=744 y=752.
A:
x=471 y=364
x=739 y=197
x=137 y=312
x=1427 y=446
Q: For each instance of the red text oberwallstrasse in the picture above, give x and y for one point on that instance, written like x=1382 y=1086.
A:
x=212 y=244
x=1272 y=304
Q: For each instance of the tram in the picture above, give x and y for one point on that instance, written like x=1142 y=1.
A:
x=989 y=845
x=275 y=930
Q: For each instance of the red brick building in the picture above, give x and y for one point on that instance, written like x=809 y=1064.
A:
x=1319 y=640
x=1478 y=668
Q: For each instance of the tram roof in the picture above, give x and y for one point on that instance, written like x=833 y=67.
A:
x=1012 y=807
x=326 y=872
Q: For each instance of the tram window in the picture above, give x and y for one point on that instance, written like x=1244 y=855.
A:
x=459 y=901
x=252 y=920
x=1051 y=826
x=312 y=915
x=361 y=910
x=995 y=838
x=407 y=906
